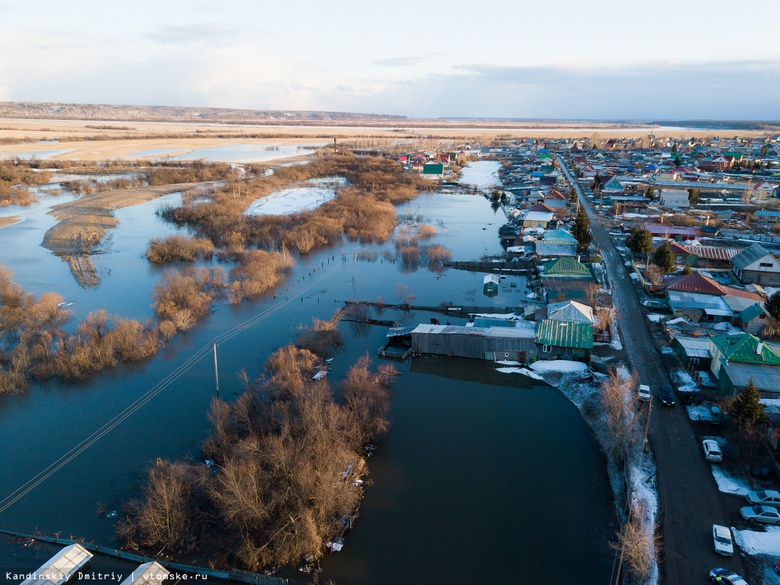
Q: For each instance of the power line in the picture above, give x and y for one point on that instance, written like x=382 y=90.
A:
x=144 y=399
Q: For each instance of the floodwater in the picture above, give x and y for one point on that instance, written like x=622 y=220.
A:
x=248 y=153
x=483 y=477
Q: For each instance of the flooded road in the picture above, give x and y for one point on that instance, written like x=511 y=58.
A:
x=482 y=477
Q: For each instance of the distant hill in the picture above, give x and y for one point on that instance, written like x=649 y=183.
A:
x=57 y=111
x=721 y=124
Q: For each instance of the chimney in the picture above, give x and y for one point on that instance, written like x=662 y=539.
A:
x=759 y=348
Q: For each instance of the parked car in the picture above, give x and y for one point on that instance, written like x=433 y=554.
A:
x=666 y=394
x=766 y=514
x=643 y=391
x=724 y=544
x=713 y=453
x=764 y=498
x=777 y=567
x=726 y=576
x=712 y=416
x=657 y=305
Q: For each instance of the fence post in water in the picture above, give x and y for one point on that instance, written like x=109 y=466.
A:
x=216 y=369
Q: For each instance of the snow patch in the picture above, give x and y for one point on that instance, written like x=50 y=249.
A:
x=655 y=317
x=564 y=366
x=523 y=371
x=289 y=201
x=759 y=543
x=730 y=484
x=684 y=381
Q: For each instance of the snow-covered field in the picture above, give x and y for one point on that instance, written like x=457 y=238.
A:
x=290 y=201
x=481 y=174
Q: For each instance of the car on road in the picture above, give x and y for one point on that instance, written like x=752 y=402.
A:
x=764 y=498
x=726 y=576
x=666 y=393
x=713 y=453
x=724 y=544
x=657 y=305
x=643 y=391
x=765 y=514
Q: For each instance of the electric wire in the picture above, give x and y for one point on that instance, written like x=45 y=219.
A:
x=150 y=394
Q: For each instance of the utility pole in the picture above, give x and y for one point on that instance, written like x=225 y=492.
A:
x=216 y=369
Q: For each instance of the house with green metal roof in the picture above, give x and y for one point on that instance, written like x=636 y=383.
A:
x=738 y=358
x=433 y=170
x=564 y=340
x=566 y=267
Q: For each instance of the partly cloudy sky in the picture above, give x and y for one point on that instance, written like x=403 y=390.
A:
x=601 y=59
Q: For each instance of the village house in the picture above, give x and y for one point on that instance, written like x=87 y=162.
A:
x=756 y=265
x=516 y=343
x=564 y=340
x=557 y=242
x=674 y=198
x=739 y=358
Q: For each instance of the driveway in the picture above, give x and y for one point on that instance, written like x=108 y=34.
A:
x=689 y=500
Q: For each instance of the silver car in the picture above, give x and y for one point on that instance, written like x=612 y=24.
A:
x=712 y=452
x=765 y=514
x=764 y=498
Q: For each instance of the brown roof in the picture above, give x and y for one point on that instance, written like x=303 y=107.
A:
x=714 y=252
x=736 y=292
x=541 y=207
x=695 y=283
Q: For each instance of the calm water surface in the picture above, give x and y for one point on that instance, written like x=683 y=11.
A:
x=483 y=476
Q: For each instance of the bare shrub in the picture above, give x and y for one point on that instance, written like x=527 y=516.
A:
x=426 y=231
x=179 y=249
x=638 y=544
x=323 y=338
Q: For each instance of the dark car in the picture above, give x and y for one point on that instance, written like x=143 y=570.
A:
x=666 y=393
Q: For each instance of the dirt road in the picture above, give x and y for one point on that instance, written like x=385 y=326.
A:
x=689 y=500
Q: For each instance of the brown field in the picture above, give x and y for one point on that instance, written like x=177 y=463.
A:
x=91 y=140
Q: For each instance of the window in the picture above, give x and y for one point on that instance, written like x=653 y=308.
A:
x=765 y=265
x=546 y=349
x=693 y=361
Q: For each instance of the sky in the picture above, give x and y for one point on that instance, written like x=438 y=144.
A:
x=559 y=59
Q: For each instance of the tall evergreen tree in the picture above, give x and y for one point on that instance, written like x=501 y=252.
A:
x=581 y=228
x=772 y=305
x=747 y=408
x=664 y=258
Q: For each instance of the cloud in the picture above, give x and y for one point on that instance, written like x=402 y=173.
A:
x=410 y=61
x=201 y=34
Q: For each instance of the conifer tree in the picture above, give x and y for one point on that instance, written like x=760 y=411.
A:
x=581 y=228
x=747 y=409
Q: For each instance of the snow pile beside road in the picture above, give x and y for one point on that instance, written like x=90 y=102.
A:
x=697 y=412
x=523 y=371
x=684 y=382
x=562 y=366
x=759 y=543
x=643 y=481
x=730 y=484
